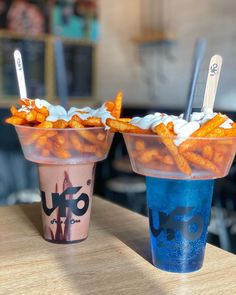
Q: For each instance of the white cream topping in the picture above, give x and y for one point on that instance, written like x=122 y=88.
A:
x=202 y=118
x=227 y=124
x=59 y=113
x=87 y=112
x=41 y=103
x=25 y=109
x=182 y=128
x=167 y=119
x=148 y=121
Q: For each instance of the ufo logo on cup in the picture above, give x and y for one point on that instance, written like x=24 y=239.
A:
x=60 y=201
x=191 y=228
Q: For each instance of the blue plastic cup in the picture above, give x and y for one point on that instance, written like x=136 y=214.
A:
x=179 y=213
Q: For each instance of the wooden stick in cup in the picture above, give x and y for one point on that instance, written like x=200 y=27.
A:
x=212 y=82
x=20 y=74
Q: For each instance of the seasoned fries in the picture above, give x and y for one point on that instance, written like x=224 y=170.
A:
x=168 y=146
x=123 y=126
x=205 y=129
x=158 y=144
x=183 y=165
x=116 y=111
x=50 y=133
x=34 y=112
x=67 y=145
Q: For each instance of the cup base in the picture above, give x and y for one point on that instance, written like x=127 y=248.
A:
x=178 y=268
x=179 y=213
x=65 y=242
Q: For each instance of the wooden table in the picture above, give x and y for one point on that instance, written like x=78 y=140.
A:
x=115 y=259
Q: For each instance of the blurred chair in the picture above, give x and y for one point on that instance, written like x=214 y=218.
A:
x=125 y=187
x=223 y=219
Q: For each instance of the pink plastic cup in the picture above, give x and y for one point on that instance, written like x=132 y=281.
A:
x=66 y=201
x=66 y=163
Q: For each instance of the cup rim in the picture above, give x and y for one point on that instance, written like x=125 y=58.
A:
x=61 y=129
x=178 y=137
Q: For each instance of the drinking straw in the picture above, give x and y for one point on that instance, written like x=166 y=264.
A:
x=61 y=72
x=212 y=82
x=198 y=58
x=20 y=74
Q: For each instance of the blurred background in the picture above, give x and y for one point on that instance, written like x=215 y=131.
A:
x=87 y=50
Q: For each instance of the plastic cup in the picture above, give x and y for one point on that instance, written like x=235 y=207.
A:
x=150 y=157
x=179 y=203
x=179 y=213
x=66 y=163
x=66 y=201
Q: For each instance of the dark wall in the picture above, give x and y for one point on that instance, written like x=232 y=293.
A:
x=16 y=173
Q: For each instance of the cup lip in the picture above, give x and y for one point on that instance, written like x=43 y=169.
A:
x=177 y=137
x=61 y=129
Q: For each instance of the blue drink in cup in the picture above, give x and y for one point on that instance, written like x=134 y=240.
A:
x=179 y=213
x=179 y=193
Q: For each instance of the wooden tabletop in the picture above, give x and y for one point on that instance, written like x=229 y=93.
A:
x=115 y=259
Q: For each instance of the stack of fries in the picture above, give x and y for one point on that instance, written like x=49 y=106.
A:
x=206 y=152
x=30 y=114
x=78 y=133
